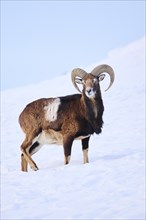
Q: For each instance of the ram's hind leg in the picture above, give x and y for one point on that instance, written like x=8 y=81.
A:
x=24 y=163
x=32 y=150
x=26 y=156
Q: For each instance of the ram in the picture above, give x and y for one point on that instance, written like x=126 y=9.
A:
x=61 y=120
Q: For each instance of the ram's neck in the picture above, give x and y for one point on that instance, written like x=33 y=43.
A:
x=94 y=111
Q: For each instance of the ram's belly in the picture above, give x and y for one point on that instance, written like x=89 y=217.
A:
x=50 y=137
x=54 y=137
x=82 y=137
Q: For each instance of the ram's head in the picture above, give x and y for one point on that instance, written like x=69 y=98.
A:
x=90 y=81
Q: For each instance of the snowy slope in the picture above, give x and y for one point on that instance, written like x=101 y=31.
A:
x=112 y=185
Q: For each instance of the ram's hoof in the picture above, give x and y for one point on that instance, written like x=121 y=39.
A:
x=35 y=168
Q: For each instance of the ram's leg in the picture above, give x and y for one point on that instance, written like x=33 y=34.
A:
x=26 y=158
x=35 y=147
x=32 y=150
x=67 y=145
x=24 y=163
x=85 y=146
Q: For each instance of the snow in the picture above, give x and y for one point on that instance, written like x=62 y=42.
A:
x=112 y=185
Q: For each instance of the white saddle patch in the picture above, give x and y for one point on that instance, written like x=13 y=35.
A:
x=51 y=109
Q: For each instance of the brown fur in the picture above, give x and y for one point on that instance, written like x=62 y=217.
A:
x=77 y=117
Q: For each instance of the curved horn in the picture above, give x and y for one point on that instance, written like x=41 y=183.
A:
x=77 y=73
x=104 y=68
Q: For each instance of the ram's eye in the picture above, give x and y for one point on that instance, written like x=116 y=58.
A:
x=78 y=80
x=94 y=79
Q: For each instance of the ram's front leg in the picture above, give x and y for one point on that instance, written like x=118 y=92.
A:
x=85 y=146
x=67 y=145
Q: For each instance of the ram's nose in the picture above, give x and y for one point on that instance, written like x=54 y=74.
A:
x=90 y=93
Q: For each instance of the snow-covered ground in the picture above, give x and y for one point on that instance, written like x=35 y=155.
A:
x=112 y=185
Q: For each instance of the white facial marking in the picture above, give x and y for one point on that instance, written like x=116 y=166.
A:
x=89 y=92
x=51 y=110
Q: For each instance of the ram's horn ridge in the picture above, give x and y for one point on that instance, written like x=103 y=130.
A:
x=80 y=73
x=107 y=69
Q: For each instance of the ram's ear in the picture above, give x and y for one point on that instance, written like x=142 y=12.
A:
x=101 y=77
x=79 y=81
